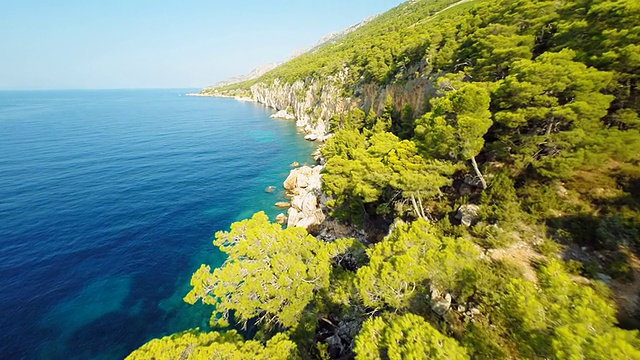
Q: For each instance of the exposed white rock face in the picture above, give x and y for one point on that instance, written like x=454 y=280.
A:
x=283 y=114
x=311 y=102
x=304 y=185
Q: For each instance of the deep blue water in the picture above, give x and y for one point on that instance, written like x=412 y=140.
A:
x=109 y=201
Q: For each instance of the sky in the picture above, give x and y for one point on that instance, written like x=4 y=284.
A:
x=124 y=44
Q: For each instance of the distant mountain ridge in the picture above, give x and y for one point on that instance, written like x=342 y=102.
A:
x=327 y=39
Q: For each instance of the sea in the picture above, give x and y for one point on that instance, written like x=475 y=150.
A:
x=109 y=201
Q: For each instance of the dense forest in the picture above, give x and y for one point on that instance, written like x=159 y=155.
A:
x=502 y=220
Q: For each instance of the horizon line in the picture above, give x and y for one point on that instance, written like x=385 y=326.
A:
x=100 y=89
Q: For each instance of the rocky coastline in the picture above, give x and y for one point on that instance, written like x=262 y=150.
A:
x=238 y=98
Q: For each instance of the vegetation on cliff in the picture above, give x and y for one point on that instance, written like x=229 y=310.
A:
x=510 y=205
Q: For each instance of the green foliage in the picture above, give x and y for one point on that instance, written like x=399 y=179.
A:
x=411 y=255
x=457 y=123
x=500 y=202
x=345 y=143
x=374 y=52
x=543 y=96
x=213 y=345
x=270 y=273
x=362 y=171
x=551 y=107
x=561 y=319
x=352 y=120
x=405 y=337
x=612 y=232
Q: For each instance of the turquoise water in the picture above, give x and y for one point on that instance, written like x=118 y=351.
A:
x=109 y=201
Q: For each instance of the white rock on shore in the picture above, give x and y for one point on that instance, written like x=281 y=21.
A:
x=282 y=114
x=304 y=185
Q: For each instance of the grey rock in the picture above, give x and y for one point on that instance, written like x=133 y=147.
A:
x=604 y=278
x=304 y=184
x=283 y=114
x=465 y=189
x=472 y=180
x=467 y=214
x=440 y=303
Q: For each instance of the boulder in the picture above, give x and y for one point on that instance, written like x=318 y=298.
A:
x=282 y=114
x=270 y=189
x=296 y=202
x=293 y=216
x=465 y=189
x=283 y=204
x=440 y=303
x=309 y=203
x=291 y=181
x=303 y=184
x=295 y=164
x=472 y=181
x=281 y=219
x=317 y=156
x=467 y=214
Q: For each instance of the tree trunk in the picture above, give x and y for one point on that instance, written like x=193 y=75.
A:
x=478 y=173
x=415 y=206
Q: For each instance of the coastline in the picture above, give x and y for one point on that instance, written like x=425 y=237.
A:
x=239 y=98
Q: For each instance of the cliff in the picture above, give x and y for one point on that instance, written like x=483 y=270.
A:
x=313 y=102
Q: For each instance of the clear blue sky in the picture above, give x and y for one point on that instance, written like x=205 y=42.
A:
x=80 y=44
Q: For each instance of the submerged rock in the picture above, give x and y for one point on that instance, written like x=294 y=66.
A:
x=270 y=189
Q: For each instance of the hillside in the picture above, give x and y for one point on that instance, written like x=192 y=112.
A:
x=484 y=157
x=324 y=41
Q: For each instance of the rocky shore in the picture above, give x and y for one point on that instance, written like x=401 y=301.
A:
x=304 y=187
x=239 y=98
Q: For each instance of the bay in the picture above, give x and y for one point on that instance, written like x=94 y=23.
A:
x=109 y=201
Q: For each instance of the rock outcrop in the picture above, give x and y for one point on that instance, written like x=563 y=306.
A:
x=440 y=303
x=311 y=102
x=283 y=114
x=467 y=214
x=304 y=186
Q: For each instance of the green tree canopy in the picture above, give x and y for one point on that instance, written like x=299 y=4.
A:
x=456 y=125
x=194 y=345
x=405 y=337
x=411 y=258
x=561 y=319
x=270 y=273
